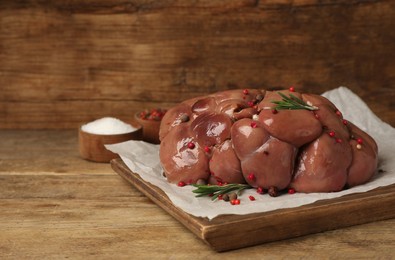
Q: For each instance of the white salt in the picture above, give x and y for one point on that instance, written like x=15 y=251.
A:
x=107 y=126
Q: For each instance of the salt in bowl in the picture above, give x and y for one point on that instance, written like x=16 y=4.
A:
x=93 y=136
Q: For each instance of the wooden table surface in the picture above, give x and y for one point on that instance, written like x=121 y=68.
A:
x=56 y=205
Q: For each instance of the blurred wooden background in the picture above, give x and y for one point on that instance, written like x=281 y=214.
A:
x=63 y=62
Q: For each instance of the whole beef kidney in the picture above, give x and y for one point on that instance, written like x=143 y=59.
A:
x=238 y=136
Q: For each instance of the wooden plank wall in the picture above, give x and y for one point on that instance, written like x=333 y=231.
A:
x=63 y=63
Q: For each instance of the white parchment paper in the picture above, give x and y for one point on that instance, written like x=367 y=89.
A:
x=143 y=159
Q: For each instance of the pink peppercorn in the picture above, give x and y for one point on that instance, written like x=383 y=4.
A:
x=251 y=176
x=259 y=190
x=191 y=145
x=235 y=202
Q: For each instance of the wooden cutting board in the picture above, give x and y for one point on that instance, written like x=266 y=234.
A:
x=237 y=231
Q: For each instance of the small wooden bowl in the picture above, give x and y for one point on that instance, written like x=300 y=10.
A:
x=150 y=129
x=91 y=146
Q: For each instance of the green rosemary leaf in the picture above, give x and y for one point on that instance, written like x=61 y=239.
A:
x=216 y=190
x=291 y=102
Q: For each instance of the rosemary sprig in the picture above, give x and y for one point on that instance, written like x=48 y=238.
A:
x=216 y=190
x=292 y=103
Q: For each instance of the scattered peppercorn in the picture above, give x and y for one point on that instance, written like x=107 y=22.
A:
x=232 y=196
x=251 y=177
x=253 y=124
x=291 y=191
x=207 y=149
x=331 y=133
x=252 y=198
x=184 y=118
x=260 y=190
x=201 y=182
x=181 y=184
x=292 y=89
x=359 y=141
x=273 y=191
x=235 y=202
x=191 y=145
x=245 y=91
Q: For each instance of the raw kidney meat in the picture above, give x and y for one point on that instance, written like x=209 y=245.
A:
x=245 y=136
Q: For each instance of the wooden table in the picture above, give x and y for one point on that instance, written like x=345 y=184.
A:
x=56 y=205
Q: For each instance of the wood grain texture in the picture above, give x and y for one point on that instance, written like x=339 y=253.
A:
x=68 y=62
x=55 y=205
x=231 y=232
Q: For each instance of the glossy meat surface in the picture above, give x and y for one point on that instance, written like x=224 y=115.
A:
x=238 y=136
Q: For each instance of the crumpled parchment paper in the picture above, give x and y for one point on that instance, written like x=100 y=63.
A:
x=143 y=158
